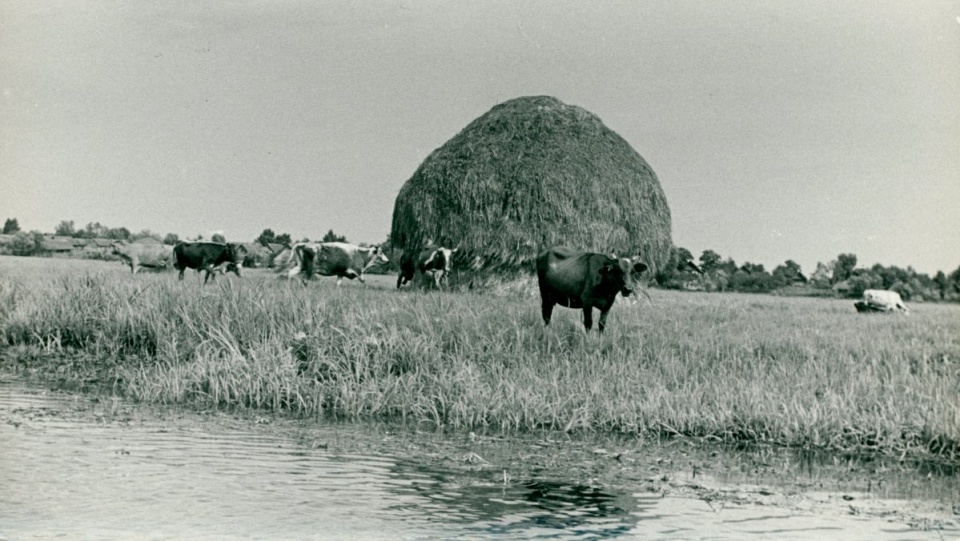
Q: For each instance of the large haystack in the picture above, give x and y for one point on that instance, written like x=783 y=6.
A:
x=533 y=173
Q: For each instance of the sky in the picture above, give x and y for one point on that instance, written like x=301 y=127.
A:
x=778 y=129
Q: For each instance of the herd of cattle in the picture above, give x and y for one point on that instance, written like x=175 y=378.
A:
x=569 y=278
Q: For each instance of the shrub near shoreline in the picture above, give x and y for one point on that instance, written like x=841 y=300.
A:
x=731 y=368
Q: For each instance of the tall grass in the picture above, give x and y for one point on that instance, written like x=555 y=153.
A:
x=727 y=367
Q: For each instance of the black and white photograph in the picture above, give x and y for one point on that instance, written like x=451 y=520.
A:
x=486 y=270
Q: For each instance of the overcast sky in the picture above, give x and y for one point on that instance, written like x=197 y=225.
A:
x=779 y=130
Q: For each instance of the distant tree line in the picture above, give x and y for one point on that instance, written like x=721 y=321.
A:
x=840 y=276
x=96 y=230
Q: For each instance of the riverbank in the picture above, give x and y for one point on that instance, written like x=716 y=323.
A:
x=567 y=482
x=793 y=372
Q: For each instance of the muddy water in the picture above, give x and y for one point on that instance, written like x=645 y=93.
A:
x=72 y=467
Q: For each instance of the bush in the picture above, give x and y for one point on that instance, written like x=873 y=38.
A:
x=26 y=243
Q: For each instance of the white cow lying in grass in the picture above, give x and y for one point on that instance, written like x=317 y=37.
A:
x=879 y=300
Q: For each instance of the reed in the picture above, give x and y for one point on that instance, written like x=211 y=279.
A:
x=724 y=367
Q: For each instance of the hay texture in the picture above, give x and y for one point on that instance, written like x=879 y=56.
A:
x=533 y=173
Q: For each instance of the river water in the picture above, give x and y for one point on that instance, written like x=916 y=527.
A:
x=73 y=467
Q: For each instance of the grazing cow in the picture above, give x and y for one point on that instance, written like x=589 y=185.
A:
x=208 y=256
x=584 y=280
x=149 y=256
x=334 y=259
x=879 y=300
x=434 y=262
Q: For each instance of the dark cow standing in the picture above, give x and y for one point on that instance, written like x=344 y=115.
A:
x=208 y=256
x=334 y=259
x=584 y=280
x=433 y=261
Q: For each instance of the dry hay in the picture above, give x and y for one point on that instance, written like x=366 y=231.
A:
x=532 y=173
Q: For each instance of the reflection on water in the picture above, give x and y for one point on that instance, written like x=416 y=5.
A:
x=193 y=477
x=540 y=509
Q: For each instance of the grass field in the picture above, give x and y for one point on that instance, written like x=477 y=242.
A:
x=724 y=367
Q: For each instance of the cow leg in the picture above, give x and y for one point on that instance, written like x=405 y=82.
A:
x=546 y=309
x=209 y=273
x=588 y=317
x=351 y=274
x=603 y=320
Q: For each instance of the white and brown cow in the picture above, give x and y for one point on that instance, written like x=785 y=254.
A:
x=333 y=259
x=433 y=262
x=880 y=300
x=148 y=256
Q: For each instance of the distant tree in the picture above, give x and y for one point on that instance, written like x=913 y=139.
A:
x=843 y=268
x=26 y=243
x=709 y=260
x=267 y=236
x=283 y=239
x=95 y=230
x=217 y=237
x=752 y=278
x=891 y=275
x=333 y=237
x=683 y=256
x=11 y=226
x=953 y=279
x=729 y=266
x=717 y=279
x=171 y=239
x=788 y=273
x=145 y=234
x=64 y=229
x=117 y=233
x=940 y=279
x=821 y=277
x=863 y=280
x=676 y=273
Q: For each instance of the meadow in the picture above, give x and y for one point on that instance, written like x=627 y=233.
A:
x=790 y=371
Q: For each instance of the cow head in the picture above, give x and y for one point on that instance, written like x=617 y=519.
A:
x=637 y=267
x=448 y=257
x=235 y=255
x=441 y=259
x=378 y=255
x=621 y=273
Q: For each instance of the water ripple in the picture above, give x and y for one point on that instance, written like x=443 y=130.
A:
x=78 y=477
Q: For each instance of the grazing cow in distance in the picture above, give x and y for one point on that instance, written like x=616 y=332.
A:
x=584 y=280
x=879 y=300
x=334 y=259
x=433 y=261
x=208 y=256
x=149 y=256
